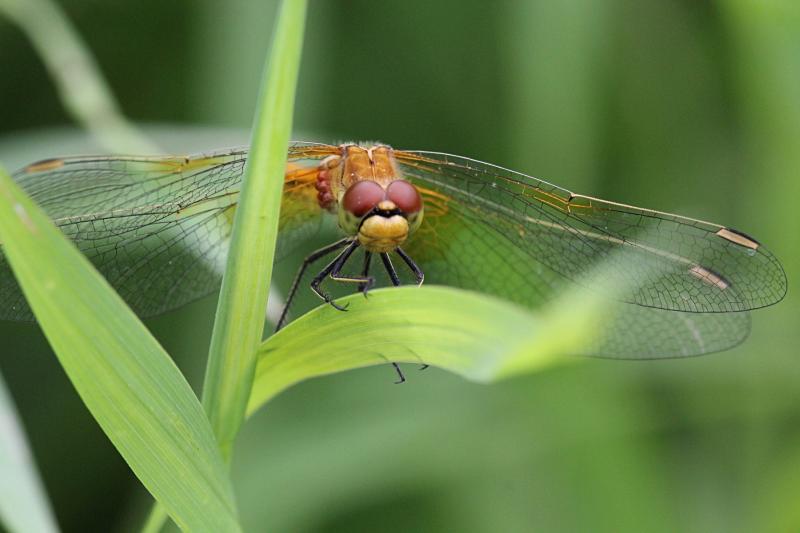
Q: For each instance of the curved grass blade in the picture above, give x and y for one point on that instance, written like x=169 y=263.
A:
x=128 y=382
x=476 y=336
x=23 y=502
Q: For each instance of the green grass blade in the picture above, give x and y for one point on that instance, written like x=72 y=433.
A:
x=156 y=519
x=130 y=385
x=23 y=502
x=243 y=298
x=476 y=336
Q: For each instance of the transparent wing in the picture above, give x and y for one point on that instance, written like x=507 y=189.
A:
x=492 y=229
x=157 y=228
x=636 y=332
x=678 y=263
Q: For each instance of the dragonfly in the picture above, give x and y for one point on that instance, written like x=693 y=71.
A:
x=158 y=228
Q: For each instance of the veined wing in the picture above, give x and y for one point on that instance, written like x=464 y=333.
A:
x=676 y=263
x=499 y=231
x=156 y=227
x=636 y=332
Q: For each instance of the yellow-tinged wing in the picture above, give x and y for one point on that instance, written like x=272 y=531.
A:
x=157 y=227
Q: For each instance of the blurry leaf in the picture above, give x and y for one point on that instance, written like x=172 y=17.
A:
x=156 y=519
x=555 y=127
x=83 y=90
x=23 y=503
x=130 y=385
x=765 y=37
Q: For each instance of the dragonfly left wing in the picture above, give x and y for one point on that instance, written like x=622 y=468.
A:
x=498 y=231
x=675 y=263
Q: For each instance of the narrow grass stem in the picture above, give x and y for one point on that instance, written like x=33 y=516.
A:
x=242 y=303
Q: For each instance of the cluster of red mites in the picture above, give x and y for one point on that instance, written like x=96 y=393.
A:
x=323 y=186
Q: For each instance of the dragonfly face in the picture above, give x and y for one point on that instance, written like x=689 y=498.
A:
x=374 y=202
x=157 y=228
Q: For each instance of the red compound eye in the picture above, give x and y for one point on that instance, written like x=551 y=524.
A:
x=361 y=197
x=405 y=196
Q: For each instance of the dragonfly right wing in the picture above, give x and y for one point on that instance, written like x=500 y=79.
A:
x=157 y=228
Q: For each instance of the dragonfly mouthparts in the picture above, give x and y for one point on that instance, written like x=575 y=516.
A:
x=382 y=212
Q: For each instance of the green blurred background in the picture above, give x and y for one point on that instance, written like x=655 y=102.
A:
x=690 y=106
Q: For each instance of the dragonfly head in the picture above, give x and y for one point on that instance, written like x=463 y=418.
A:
x=382 y=218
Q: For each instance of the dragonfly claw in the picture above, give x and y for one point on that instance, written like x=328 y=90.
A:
x=402 y=378
x=365 y=287
x=337 y=306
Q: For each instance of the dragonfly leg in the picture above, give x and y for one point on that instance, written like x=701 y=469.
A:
x=307 y=262
x=387 y=262
x=336 y=272
x=390 y=269
x=334 y=265
x=365 y=272
x=402 y=378
x=412 y=265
